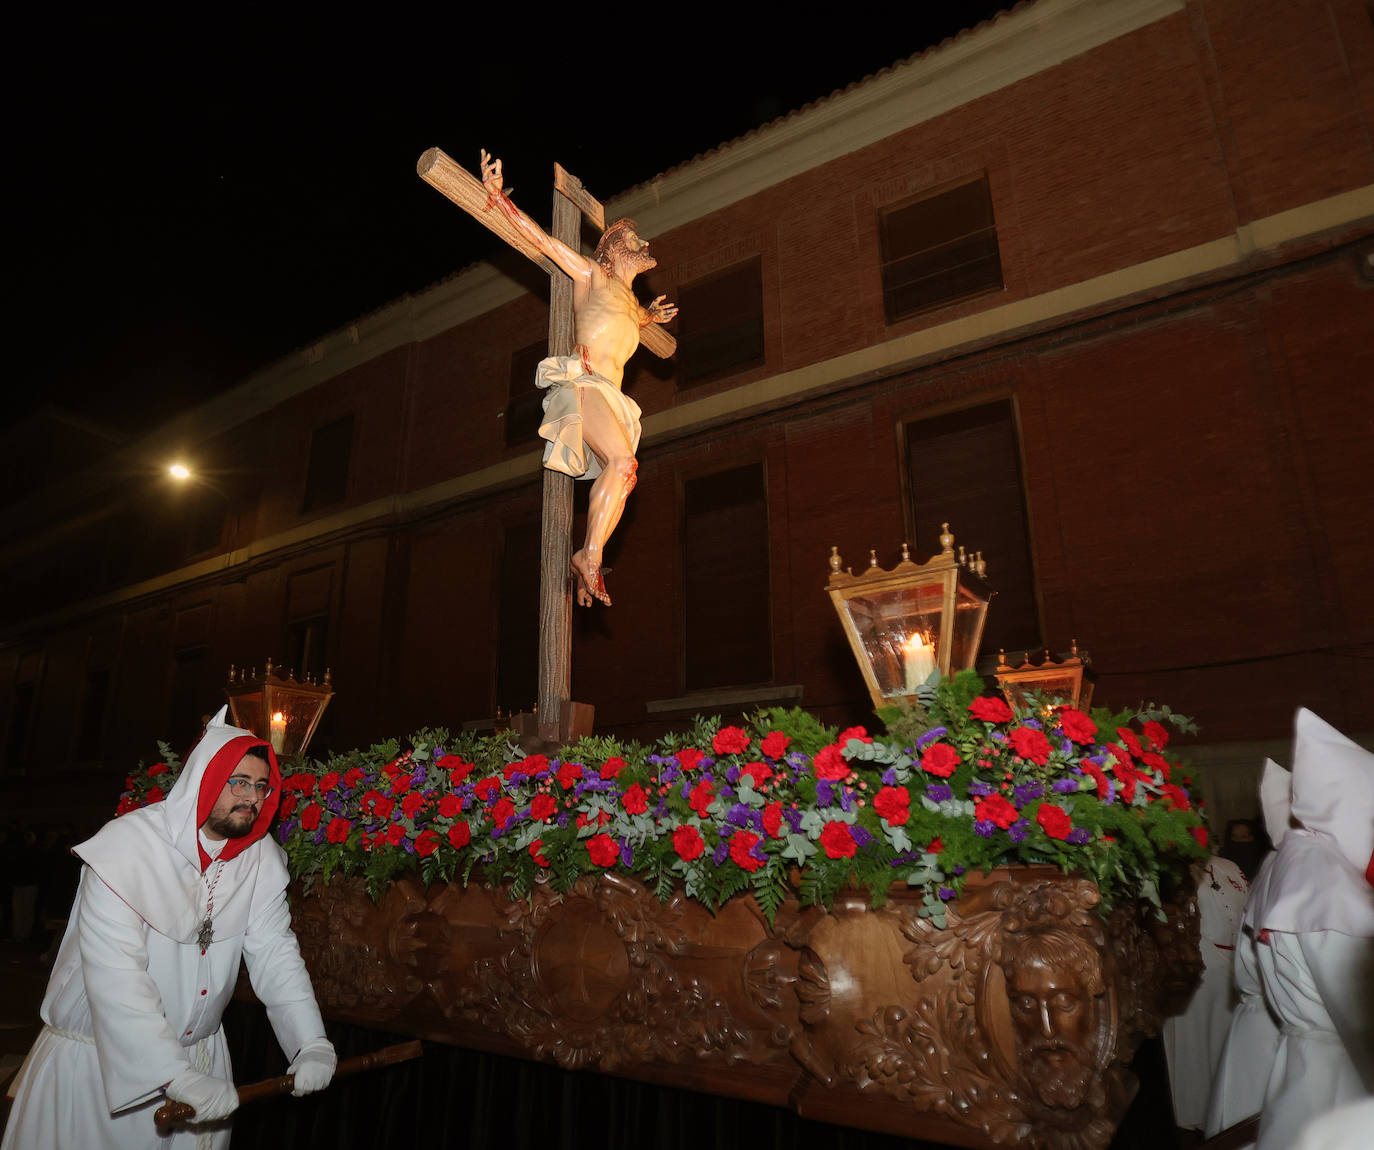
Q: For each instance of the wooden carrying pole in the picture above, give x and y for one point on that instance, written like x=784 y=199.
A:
x=170 y=1113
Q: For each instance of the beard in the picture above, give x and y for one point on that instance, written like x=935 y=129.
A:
x=1059 y=1073
x=234 y=823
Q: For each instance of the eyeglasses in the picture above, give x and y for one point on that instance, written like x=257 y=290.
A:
x=243 y=788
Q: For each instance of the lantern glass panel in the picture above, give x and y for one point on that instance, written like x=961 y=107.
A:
x=246 y=711
x=301 y=711
x=970 y=611
x=898 y=630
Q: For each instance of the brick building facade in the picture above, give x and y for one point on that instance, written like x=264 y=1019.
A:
x=1091 y=281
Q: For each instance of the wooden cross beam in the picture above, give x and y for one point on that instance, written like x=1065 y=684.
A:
x=559 y=718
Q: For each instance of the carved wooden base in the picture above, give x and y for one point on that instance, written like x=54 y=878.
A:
x=1010 y=1027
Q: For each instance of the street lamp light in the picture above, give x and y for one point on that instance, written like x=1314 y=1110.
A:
x=179 y=472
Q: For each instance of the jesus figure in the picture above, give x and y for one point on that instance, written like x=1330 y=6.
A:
x=584 y=408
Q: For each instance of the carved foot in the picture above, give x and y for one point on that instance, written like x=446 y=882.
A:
x=591 y=583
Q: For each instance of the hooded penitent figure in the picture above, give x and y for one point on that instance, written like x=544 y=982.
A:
x=161 y=918
x=1248 y=1056
x=1313 y=917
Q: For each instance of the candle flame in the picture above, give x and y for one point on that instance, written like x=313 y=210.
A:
x=278 y=718
x=915 y=642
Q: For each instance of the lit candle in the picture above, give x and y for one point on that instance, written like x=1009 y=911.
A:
x=278 y=735
x=919 y=660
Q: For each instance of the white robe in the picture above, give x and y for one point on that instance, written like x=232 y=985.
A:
x=1193 y=1040
x=1248 y=1057
x=133 y=999
x=1321 y=984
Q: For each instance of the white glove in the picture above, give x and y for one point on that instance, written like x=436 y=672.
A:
x=212 y=1098
x=314 y=1066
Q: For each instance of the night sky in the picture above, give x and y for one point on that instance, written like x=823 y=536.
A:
x=202 y=194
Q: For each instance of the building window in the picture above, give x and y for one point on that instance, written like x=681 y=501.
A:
x=517 y=648
x=964 y=468
x=720 y=324
x=326 y=479
x=305 y=647
x=939 y=249
x=727 y=632
x=525 y=408
x=92 y=725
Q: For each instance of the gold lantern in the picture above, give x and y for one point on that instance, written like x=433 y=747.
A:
x=1068 y=679
x=284 y=711
x=906 y=623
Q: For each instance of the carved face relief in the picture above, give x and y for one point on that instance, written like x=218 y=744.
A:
x=1053 y=986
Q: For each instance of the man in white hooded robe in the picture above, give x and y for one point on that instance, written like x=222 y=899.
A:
x=1313 y=918
x=171 y=896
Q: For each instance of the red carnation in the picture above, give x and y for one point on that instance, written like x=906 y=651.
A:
x=400 y=784
x=990 y=709
x=1200 y=833
x=1094 y=772
x=328 y=781
x=288 y=805
x=426 y=844
x=1132 y=743
x=352 y=777
x=383 y=807
x=936 y=846
x=775 y=744
x=310 y=817
x=740 y=845
x=1158 y=763
x=537 y=852
x=1031 y=744
x=459 y=835
x=759 y=772
x=450 y=806
x=393 y=768
x=1125 y=771
x=893 y=804
x=157 y=769
x=688 y=758
x=730 y=741
x=1177 y=796
x=635 y=800
x=155 y=795
x=543 y=807
x=485 y=788
x=395 y=833
x=772 y=820
x=299 y=782
x=837 y=841
x=1157 y=735
x=412 y=803
x=688 y=843
x=829 y=764
x=853 y=733
x=940 y=759
x=1077 y=725
x=1055 y=820
x=457 y=774
x=612 y=767
x=502 y=811
x=568 y=774
x=338 y=829
x=602 y=850
x=700 y=798
x=529 y=766
x=995 y=809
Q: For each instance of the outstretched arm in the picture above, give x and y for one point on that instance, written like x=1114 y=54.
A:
x=574 y=263
x=658 y=312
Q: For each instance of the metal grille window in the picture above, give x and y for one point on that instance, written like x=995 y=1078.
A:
x=326 y=478
x=939 y=249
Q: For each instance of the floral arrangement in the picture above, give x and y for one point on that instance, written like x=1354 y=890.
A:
x=779 y=806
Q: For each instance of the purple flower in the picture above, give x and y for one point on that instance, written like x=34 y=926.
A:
x=1018 y=830
x=959 y=870
x=516 y=779
x=982 y=790
x=418 y=776
x=1026 y=792
x=846 y=800
x=738 y=815
x=890 y=777
x=732 y=775
x=409 y=845
x=860 y=835
x=1065 y=786
x=563 y=819
x=797 y=760
x=1036 y=723
x=1066 y=745
x=756 y=821
x=627 y=853
x=947 y=893
x=1078 y=836
x=938 y=792
x=756 y=851
x=794 y=819
x=722 y=852
x=825 y=793
x=930 y=736
x=985 y=827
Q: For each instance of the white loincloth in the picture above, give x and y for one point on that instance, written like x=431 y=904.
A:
x=563 y=378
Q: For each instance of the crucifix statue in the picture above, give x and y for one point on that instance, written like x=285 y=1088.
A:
x=591 y=426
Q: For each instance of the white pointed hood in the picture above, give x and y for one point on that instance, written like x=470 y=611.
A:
x=152 y=857
x=1276 y=786
x=1317 y=877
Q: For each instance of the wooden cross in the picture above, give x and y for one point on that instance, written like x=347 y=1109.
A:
x=559 y=718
